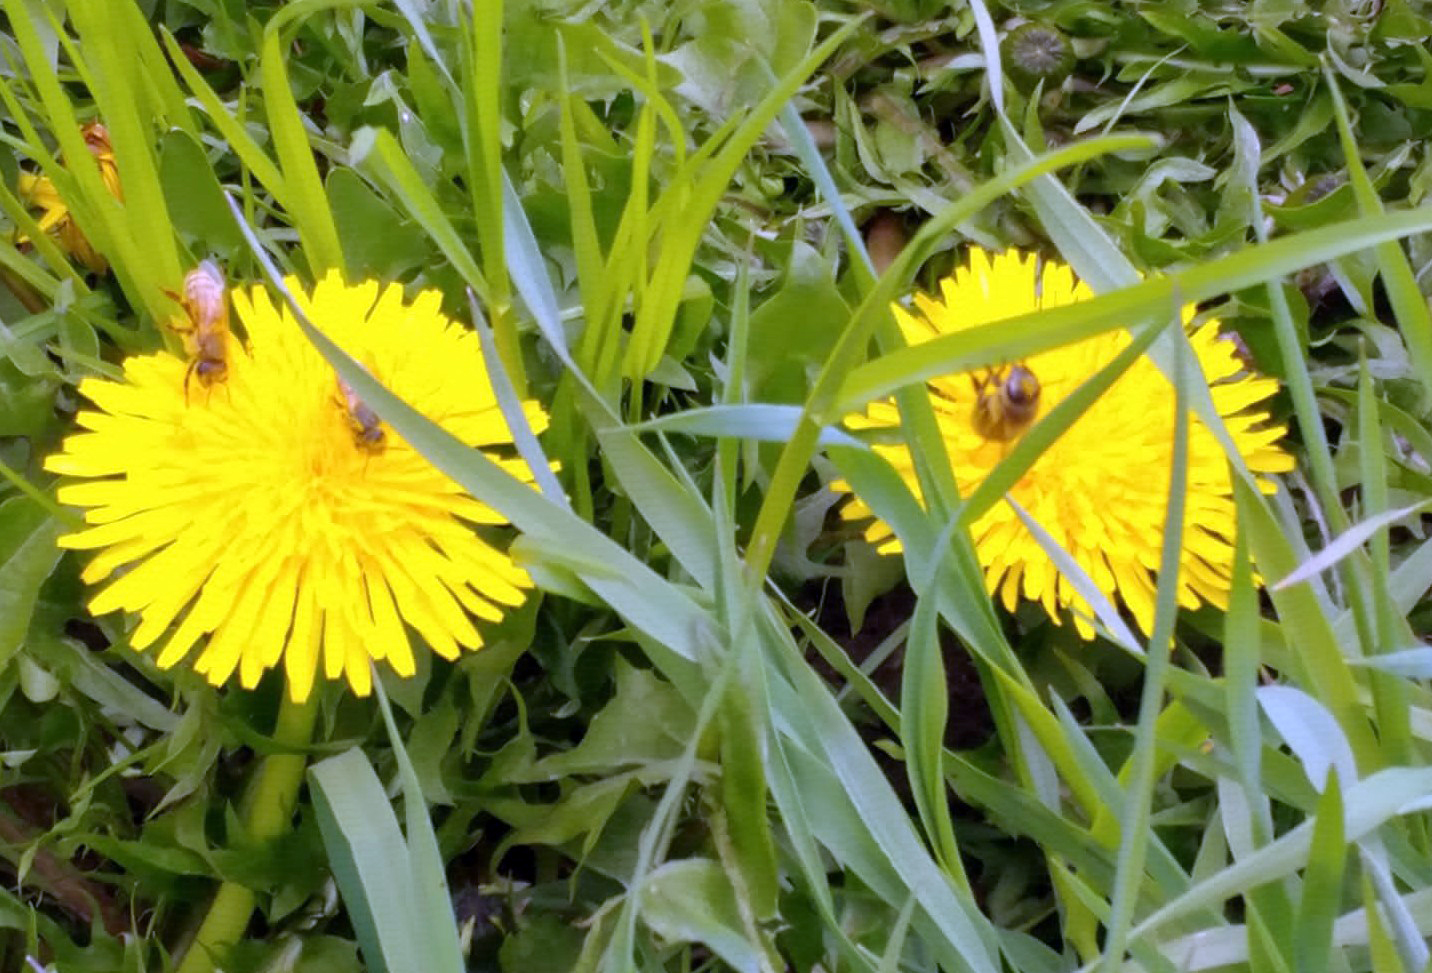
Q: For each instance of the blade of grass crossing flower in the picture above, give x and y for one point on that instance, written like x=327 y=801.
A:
x=1322 y=884
x=307 y=202
x=368 y=856
x=437 y=932
x=1391 y=698
x=1046 y=431
x=632 y=589
x=827 y=400
x=684 y=228
x=1104 y=611
x=1031 y=333
x=1414 y=320
x=511 y=404
x=1137 y=807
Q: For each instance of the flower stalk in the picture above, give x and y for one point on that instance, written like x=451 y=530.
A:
x=267 y=813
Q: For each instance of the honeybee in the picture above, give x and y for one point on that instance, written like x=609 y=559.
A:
x=206 y=303
x=1006 y=402
x=367 y=428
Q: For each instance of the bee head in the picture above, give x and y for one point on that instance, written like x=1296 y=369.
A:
x=1021 y=386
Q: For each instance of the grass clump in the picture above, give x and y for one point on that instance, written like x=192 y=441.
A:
x=715 y=722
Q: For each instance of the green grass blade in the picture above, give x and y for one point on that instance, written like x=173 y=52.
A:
x=118 y=84
x=1134 y=821
x=1369 y=804
x=236 y=136
x=1046 y=431
x=1320 y=663
x=436 y=929
x=388 y=161
x=852 y=810
x=1322 y=883
x=1409 y=306
x=369 y=859
x=685 y=225
x=511 y=404
x=306 y=202
x=1390 y=694
x=1029 y=334
x=924 y=711
x=98 y=214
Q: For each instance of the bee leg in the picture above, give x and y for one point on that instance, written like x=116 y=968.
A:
x=188 y=374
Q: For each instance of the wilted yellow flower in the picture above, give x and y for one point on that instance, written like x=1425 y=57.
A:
x=268 y=519
x=40 y=193
x=1101 y=490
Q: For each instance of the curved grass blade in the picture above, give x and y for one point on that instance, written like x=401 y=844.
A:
x=1028 y=334
x=1348 y=543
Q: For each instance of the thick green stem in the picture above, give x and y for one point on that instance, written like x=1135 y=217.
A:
x=267 y=813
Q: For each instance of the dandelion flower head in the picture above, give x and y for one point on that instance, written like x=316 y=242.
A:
x=250 y=522
x=55 y=218
x=1101 y=489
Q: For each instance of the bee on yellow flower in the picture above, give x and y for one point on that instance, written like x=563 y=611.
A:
x=1101 y=489
x=39 y=192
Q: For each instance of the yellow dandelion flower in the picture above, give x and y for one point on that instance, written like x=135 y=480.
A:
x=38 y=192
x=263 y=518
x=1101 y=489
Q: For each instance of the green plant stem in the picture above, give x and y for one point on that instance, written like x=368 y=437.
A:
x=267 y=813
